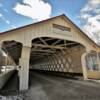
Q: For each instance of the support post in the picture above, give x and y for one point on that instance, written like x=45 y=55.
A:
x=84 y=67
x=98 y=61
x=24 y=70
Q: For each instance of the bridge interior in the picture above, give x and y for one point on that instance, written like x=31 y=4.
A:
x=52 y=54
x=12 y=49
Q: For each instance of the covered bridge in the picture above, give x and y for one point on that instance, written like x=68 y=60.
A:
x=55 y=44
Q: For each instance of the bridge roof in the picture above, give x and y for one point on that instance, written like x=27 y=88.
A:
x=64 y=16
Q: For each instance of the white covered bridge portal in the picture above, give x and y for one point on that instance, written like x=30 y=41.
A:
x=55 y=44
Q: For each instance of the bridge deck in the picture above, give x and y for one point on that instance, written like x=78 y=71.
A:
x=49 y=87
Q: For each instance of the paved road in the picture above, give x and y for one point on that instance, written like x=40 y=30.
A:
x=47 y=87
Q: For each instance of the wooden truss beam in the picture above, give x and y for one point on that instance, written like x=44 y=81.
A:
x=48 y=46
x=56 y=42
x=44 y=51
x=43 y=41
x=67 y=44
x=10 y=44
x=49 y=39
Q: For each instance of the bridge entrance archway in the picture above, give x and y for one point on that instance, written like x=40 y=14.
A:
x=56 y=55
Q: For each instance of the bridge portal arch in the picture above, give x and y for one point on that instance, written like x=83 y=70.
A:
x=56 y=54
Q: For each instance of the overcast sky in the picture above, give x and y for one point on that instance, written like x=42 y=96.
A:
x=17 y=13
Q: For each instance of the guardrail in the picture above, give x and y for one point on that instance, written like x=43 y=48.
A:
x=4 y=77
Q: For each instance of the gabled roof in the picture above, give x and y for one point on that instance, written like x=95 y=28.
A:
x=65 y=17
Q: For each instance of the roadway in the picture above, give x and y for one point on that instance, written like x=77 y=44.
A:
x=49 y=87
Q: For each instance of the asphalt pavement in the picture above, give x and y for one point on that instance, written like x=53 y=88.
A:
x=48 y=87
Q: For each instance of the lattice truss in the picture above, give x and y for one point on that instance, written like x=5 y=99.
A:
x=53 y=54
